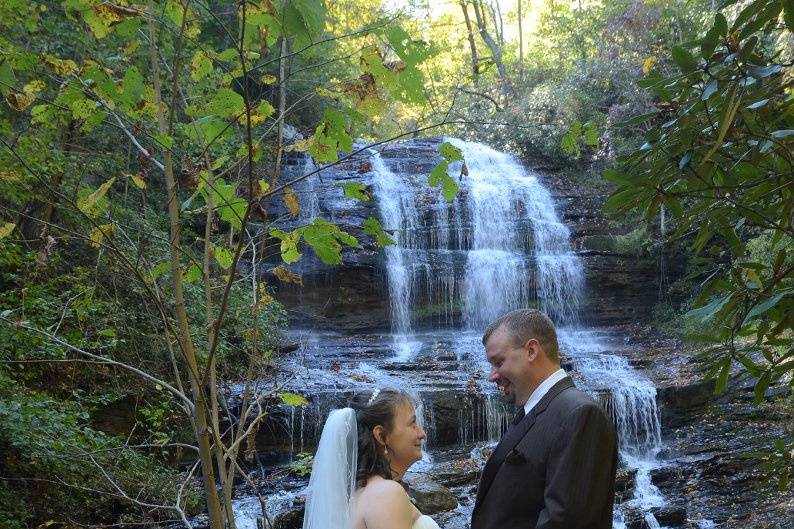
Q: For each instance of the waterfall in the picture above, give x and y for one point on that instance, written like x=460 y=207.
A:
x=502 y=197
x=475 y=254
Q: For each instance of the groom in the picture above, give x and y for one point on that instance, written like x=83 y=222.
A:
x=555 y=466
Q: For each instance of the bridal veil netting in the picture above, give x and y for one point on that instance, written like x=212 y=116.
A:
x=333 y=477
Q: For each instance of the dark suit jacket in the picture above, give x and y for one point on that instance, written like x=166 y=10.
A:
x=555 y=469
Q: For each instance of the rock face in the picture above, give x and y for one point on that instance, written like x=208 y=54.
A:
x=354 y=296
x=429 y=496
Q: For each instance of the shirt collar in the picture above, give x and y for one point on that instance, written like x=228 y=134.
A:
x=543 y=388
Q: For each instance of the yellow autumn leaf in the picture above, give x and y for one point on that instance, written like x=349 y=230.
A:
x=100 y=232
x=113 y=13
x=88 y=204
x=8 y=176
x=300 y=145
x=268 y=79
x=264 y=187
x=59 y=66
x=200 y=66
x=19 y=101
x=33 y=87
x=291 y=201
x=6 y=229
x=139 y=182
x=648 y=65
x=286 y=276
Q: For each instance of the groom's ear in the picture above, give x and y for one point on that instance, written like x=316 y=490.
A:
x=533 y=349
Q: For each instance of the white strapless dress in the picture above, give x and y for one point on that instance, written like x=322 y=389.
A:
x=425 y=522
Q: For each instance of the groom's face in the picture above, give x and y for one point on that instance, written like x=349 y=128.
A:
x=510 y=366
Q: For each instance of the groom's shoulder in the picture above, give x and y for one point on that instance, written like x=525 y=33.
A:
x=572 y=399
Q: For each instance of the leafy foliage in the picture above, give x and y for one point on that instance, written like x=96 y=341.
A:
x=719 y=158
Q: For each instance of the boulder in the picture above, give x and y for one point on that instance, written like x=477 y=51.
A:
x=457 y=473
x=429 y=496
x=685 y=397
x=291 y=519
x=664 y=475
x=670 y=515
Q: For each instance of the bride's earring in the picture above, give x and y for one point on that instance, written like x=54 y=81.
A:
x=386 y=452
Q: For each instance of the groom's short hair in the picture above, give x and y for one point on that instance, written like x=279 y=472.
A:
x=524 y=324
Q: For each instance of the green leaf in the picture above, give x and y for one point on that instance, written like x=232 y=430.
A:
x=293 y=399
x=330 y=137
x=570 y=140
x=226 y=103
x=289 y=244
x=192 y=274
x=134 y=86
x=223 y=256
x=636 y=120
x=450 y=152
x=709 y=42
x=766 y=305
x=440 y=177
x=160 y=268
x=373 y=228
x=684 y=59
x=356 y=191
x=722 y=378
x=231 y=208
x=591 y=136
x=92 y=203
x=746 y=170
x=721 y=24
x=761 y=386
x=616 y=177
x=708 y=311
x=326 y=240
x=312 y=13
x=7 y=79
x=200 y=66
x=619 y=199
x=437 y=174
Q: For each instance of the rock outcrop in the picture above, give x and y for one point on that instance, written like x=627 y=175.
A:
x=354 y=296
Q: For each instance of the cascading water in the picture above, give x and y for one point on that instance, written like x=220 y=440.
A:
x=474 y=254
x=499 y=246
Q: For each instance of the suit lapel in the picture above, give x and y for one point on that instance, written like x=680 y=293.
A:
x=513 y=436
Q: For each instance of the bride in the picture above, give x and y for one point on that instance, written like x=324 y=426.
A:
x=364 y=452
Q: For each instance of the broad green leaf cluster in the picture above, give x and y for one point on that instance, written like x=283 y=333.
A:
x=719 y=157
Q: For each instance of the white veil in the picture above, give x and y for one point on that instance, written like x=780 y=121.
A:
x=333 y=477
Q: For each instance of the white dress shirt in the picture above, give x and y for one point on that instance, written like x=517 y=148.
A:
x=542 y=389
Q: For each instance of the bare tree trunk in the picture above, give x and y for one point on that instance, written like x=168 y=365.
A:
x=185 y=340
x=282 y=105
x=520 y=43
x=498 y=22
x=475 y=63
x=496 y=51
